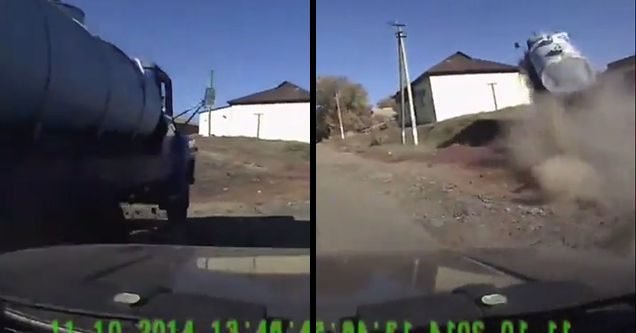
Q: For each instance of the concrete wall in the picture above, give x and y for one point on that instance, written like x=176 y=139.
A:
x=289 y=122
x=458 y=95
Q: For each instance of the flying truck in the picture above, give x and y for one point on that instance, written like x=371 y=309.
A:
x=83 y=127
x=568 y=99
x=554 y=65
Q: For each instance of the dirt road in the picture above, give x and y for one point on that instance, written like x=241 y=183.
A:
x=354 y=215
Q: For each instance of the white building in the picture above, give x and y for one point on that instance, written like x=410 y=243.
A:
x=625 y=67
x=461 y=85
x=281 y=113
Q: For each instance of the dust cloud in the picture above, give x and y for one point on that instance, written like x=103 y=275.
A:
x=583 y=153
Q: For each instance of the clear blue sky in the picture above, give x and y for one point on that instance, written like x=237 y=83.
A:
x=353 y=38
x=251 y=45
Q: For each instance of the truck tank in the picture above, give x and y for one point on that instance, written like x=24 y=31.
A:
x=72 y=11
x=83 y=128
x=58 y=76
x=557 y=65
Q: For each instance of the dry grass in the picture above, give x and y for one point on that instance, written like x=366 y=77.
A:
x=386 y=143
x=251 y=170
x=434 y=135
x=289 y=150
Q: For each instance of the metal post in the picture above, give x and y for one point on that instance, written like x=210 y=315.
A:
x=342 y=134
x=209 y=121
x=400 y=35
x=494 y=95
x=258 y=125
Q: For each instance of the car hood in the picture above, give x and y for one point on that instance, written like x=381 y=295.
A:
x=251 y=282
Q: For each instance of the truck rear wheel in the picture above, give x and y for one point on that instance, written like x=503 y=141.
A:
x=177 y=213
x=177 y=210
x=104 y=223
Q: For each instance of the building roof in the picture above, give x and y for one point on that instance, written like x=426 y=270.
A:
x=460 y=63
x=626 y=62
x=285 y=92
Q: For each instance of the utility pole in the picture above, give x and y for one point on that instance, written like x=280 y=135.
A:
x=342 y=134
x=210 y=96
x=494 y=94
x=402 y=97
x=405 y=81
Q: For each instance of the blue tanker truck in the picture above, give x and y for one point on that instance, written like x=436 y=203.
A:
x=83 y=129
